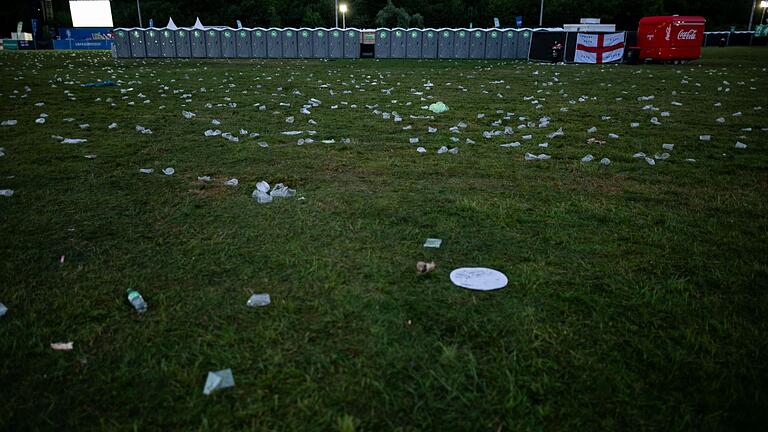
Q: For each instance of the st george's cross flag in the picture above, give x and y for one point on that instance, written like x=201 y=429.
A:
x=599 y=48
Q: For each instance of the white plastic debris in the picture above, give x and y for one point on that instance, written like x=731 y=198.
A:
x=73 y=140
x=112 y=126
x=413 y=140
x=530 y=157
x=218 y=380
x=62 y=346
x=421 y=150
x=433 y=243
x=650 y=161
x=6 y=192
x=662 y=156
x=231 y=182
x=257 y=300
x=592 y=130
x=211 y=132
x=587 y=158
x=261 y=197
x=9 y=123
x=556 y=133
x=40 y=120
x=216 y=122
x=705 y=137
x=605 y=161
x=479 y=278
x=639 y=155
x=146 y=170
x=668 y=146
x=442 y=150
x=281 y=190
x=740 y=145
x=454 y=150
x=204 y=178
x=613 y=136
x=188 y=114
x=3 y=309
x=168 y=171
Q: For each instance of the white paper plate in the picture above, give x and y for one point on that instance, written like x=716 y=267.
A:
x=479 y=278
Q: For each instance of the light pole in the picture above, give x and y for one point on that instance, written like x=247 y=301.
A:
x=541 y=14
x=343 y=10
x=751 y=14
x=138 y=9
x=336 y=11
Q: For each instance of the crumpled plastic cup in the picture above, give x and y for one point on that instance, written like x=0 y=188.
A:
x=281 y=190
x=438 y=107
x=257 y=300
x=261 y=197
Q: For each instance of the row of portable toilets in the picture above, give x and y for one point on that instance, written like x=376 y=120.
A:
x=321 y=43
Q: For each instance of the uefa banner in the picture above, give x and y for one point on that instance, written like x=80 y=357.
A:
x=599 y=48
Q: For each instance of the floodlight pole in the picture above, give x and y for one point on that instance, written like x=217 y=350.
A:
x=138 y=9
x=751 y=14
x=337 y=14
x=541 y=14
x=344 y=20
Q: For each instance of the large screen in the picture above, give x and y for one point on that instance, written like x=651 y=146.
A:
x=91 y=13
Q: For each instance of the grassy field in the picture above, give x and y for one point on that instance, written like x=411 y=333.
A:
x=636 y=297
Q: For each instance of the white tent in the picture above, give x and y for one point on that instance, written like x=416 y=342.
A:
x=171 y=25
x=198 y=25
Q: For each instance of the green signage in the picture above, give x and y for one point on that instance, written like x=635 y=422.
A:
x=761 y=30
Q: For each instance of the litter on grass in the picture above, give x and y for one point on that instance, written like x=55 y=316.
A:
x=257 y=300
x=438 y=107
x=479 y=278
x=107 y=83
x=425 y=267
x=433 y=243
x=62 y=346
x=169 y=171
x=218 y=380
x=6 y=192
x=3 y=309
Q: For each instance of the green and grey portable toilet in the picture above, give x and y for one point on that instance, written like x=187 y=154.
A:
x=413 y=44
x=305 y=43
x=290 y=44
x=228 y=43
x=213 y=43
x=320 y=43
x=493 y=44
x=461 y=44
x=445 y=44
x=274 y=43
x=137 y=43
x=381 y=49
x=523 y=43
x=183 y=49
x=167 y=43
x=397 y=43
x=351 y=43
x=152 y=42
x=508 y=44
x=197 y=43
x=123 y=43
x=243 y=43
x=429 y=39
x=259 y=43
x=335 y=44
x=477 y=44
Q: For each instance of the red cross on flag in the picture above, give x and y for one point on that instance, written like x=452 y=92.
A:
x=599 y=48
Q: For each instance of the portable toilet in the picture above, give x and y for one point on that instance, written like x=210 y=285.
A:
x=670 y=38
x=137 y=43
x=122 y=43
x=351 y=43
x=461 y=44
x=523 y=44
x=152 y=42
x=413 y=44
x=381 y=50
x=213 y=43
x=259 y=43
x=182 y=43
x=493 y=40
x=429 y=44
x=243 y=43
x=290 y=44
x=397 y=43
x=228 y=43
x=335 y=44
x=197 y=43
x=445 y=44
x=320 y=43
x=477 y=44
x=167 y=44
x=305 y=43
x=274 y=43
x=508 y=44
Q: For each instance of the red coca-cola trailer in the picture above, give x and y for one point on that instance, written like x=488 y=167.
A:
x=670 y=38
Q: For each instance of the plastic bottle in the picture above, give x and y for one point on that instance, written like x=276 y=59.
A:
x=137 y=300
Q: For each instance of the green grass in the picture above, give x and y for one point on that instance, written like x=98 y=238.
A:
x=636 y=297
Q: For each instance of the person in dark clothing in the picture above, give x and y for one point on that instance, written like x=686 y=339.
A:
x=557 y=52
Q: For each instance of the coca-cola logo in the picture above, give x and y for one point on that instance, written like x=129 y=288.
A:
x=686 y=35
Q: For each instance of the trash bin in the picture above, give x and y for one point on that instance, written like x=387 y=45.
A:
x=167 y=44
x=228 y=43
x=335 y=44
x=290 y=44
x=259 y=43
x=429 y=44
x=122 y=43
x=305 y=43
x=274 y=44
x=213 y=43
x=320 y=43
x=381 y=49
x=197 y=43
x=413 y=44
x=137 y=43
x=351 y=43
x=243 y=44
x=445 y=44
x=461 y=44
x=508 y=44
x=397 y=43
x=493 y=44
x=477 y=44
x=183 y=49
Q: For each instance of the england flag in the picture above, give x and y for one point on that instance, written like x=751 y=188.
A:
x=599 y=48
